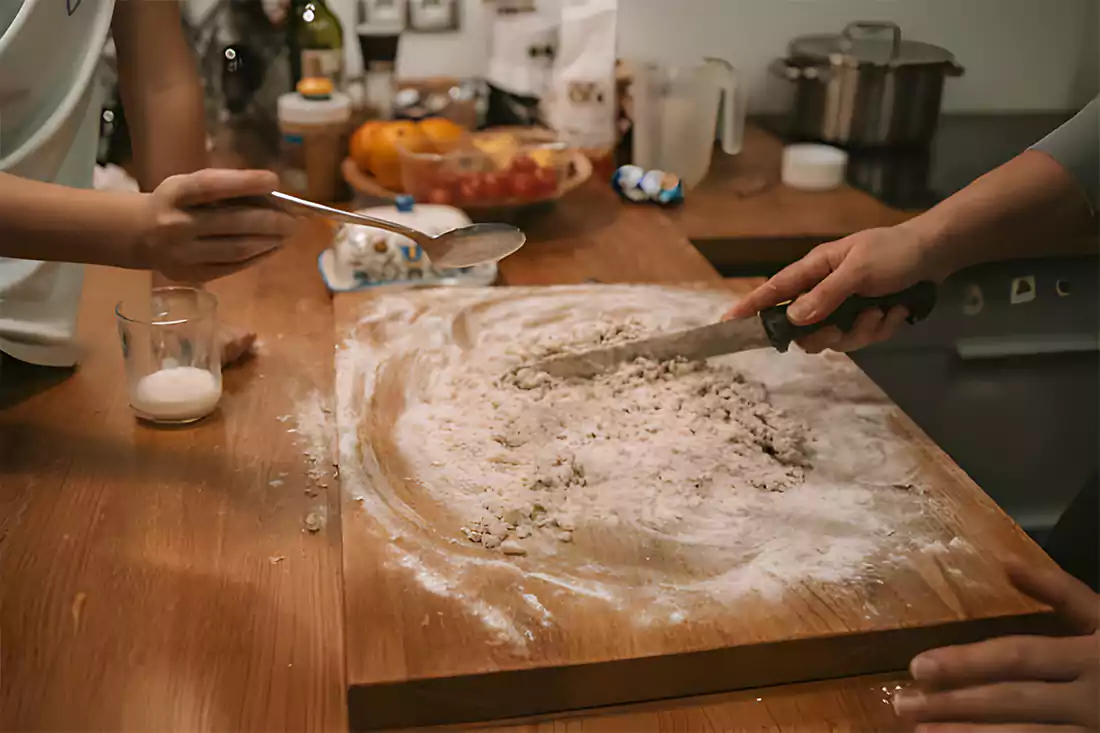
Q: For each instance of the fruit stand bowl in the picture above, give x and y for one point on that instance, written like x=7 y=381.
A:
x=491 y=174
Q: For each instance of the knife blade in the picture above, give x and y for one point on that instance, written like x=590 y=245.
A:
x=695 y=343
x=771 y=329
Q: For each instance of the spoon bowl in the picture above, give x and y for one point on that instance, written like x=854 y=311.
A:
x=463 y=247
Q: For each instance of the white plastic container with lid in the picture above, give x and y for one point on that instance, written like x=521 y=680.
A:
x=314 y=127
x=813 y=167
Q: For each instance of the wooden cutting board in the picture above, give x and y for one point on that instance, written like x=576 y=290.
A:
x=442 y=631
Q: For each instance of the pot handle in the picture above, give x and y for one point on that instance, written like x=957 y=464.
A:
x=873 y=26
x=954 y=68
x=784 y=69
x=733 y=107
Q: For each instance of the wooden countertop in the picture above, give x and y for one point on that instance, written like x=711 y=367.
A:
x=139 y=572
x=593 y=237
x=742 y=215
x=730 y=203
x=161 y=579
x=854 y=703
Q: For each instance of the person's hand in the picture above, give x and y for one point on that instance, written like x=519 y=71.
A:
x=872 y=263
x=235 y=343
x=1018 y=683
x=186 y=240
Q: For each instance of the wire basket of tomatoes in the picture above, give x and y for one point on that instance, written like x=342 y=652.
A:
x=487 y=172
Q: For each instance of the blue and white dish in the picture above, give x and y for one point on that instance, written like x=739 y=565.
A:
x=363 y=257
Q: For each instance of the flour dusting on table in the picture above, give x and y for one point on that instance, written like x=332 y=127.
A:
x=660 y=482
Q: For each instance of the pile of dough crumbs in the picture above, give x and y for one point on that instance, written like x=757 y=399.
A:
x=680 y=449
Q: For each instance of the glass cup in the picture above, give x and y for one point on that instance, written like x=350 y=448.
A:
x=172 y=357
x=677 y=110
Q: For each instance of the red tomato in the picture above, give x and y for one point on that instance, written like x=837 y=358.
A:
x=440 y=196
x=546 y=182
x=494 y=187
x=433 y=179
x=444 y=177
x=524 y=164
x=470 y=188
x=524 y=186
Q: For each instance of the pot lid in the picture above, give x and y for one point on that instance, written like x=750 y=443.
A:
x=870 y=42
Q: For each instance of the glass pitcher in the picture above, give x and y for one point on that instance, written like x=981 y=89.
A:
x=678 y=109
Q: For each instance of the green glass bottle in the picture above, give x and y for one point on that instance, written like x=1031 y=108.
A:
x=316 y=42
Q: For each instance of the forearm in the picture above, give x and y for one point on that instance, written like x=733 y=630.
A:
x=161 y=91
x=1038 y=200
x=1012 y=212
x=44 y=221
x=168 y=136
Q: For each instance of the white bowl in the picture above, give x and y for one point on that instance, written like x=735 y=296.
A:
x=813 y=167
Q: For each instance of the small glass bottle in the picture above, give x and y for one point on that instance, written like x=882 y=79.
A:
x=316 y=41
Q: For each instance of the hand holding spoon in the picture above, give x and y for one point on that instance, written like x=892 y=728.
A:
x=463 y=247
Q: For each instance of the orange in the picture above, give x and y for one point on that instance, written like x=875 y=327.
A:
x=385 y=159
x=361 y=143
x=443 y=134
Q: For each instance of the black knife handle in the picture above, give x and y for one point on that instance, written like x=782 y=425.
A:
x=919 y=300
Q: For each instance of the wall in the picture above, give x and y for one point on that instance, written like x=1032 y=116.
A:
x=461 y=54
x=1018 y=54
x=429 y=54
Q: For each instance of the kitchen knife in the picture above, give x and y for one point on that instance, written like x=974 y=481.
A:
x=770 y=329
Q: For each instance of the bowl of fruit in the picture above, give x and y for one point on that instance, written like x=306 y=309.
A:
x=487 y=174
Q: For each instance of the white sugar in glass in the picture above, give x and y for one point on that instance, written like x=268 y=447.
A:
x=171 y=352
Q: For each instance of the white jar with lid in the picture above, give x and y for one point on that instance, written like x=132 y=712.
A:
x=313 y=125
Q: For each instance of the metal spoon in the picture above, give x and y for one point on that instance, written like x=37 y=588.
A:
x=463 y=247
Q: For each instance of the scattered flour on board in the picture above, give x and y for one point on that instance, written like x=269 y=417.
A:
x=747 y=474
x=314 y=432
x=316 y=428
x=677 y=450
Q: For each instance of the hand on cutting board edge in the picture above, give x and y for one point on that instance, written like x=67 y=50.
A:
x=1016 y=683
x=874 y=262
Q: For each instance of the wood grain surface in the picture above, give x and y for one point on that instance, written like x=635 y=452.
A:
x=591 y=236
x=742 y=197
x=157 y=579
x=161 y=579
x=851 y=704
x=424 y=649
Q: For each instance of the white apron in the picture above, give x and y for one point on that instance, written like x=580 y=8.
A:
x=50 y=105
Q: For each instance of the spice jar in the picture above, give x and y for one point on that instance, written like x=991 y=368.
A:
x=313 y=125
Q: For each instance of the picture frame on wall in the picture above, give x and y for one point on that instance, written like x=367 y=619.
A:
x=433 y=16
x=384 y=14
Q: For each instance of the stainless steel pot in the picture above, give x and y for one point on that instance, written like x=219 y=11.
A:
x=859 y=89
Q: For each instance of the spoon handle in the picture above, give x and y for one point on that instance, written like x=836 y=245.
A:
x=293 y=204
